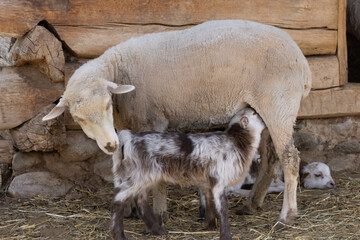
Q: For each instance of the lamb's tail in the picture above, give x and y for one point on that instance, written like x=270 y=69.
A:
x=118 y=156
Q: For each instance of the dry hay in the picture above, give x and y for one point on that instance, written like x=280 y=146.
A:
x=329 y=214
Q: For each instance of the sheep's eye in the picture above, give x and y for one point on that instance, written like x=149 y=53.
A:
x=318 y=175
x=78 y=120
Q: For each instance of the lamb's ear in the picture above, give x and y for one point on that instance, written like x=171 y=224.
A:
x=302 y=177
x=119 y=89
x=244 y=121
x=56 y=111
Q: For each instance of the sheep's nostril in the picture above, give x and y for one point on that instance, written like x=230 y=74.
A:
x=110 y=148
x=332 y=184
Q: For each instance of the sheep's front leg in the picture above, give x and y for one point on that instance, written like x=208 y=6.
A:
x=222 y=206
x=159 y=203
x=147 y=215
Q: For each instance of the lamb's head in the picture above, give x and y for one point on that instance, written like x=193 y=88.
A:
x=248 y=119
x=317 y=175
x=90 y=106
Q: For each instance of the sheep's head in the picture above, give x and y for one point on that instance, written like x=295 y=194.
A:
x=90 y=106
x=317 y=175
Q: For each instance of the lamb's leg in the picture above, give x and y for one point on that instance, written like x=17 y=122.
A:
x=117 y=219
x=147 y=215
x=268 y=170
x=222 y=206
x=210 y=211
x=202 y=204
x=159 y=203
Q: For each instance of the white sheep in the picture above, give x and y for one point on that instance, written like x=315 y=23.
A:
x=195 y=79
x=211 y=161
x=315 y=175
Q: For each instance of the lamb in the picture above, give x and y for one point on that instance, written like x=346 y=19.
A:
x=211 y=161
x=315 y=175
x=194 y=79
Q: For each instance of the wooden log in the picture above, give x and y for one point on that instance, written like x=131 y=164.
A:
x=24 y=91
x=281 y=13
x=89 y=42
x=6 y=152
x=36 y=135
x=42 y=49
x=325 y=72
x=342 y=45
x=335 y=102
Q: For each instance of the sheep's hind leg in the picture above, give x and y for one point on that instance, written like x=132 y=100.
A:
x=281 y=135
x=147 y=215
x=268 y=170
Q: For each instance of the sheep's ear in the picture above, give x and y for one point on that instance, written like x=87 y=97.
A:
x=244 y=121
x=56 y=111
x=119 y=89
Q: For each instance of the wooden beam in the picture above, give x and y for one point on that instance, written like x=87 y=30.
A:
x=89 y=42
x=342 y=45
x=24 y=91
x=335 y=102
x=19 y=16
x=325 y=71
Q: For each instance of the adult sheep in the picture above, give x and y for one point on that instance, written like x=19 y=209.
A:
x=194 y=79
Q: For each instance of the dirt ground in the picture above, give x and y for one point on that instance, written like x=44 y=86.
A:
x=323 y=214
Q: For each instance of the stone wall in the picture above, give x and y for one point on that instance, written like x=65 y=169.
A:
x=334 y=141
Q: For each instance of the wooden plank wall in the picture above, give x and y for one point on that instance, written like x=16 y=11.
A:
x=89 y=27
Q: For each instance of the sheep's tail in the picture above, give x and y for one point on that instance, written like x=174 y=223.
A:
x=307 y=81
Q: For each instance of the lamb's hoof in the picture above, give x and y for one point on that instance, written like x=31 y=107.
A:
x=211 y=226
x=245 y=210
x=157 y=230
x=201 y=212
x=162 y=218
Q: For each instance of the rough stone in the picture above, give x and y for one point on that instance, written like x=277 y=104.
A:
x=6 y=151
x=36 y=135
x=78 y=147
x=349 y=147
x=38 y=183
x=75 y=171
x=23 y=162
x=103 y=169
x=343 y=128
x=306 y=141
x=5 y=173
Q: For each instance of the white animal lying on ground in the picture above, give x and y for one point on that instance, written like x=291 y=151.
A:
x=211 y=161
x=315 y=175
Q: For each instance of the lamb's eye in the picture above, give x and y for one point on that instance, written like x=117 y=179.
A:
x=318 y=175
